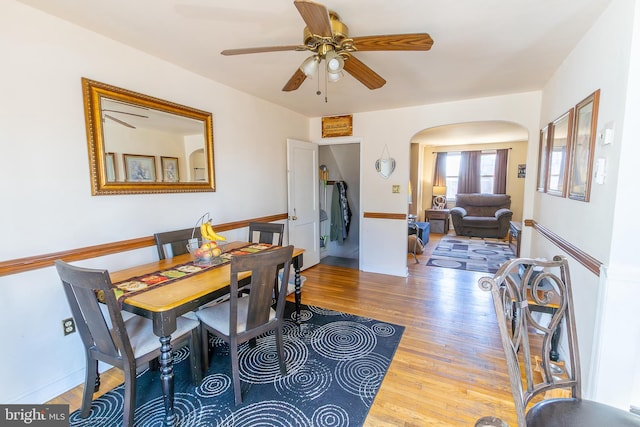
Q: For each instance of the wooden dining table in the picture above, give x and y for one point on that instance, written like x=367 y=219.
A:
x=164 y=304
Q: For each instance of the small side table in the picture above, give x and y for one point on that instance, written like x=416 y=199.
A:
x=515 y=229
x=438 y=219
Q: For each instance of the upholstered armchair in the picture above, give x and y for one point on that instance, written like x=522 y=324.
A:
x=482 y=215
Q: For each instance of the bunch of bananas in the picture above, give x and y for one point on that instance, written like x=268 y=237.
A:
x=208 y=233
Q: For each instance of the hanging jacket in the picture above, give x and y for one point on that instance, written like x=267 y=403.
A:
x=340 y=213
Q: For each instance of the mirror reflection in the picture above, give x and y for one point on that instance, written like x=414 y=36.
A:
x=140 y=144
x=558 y=154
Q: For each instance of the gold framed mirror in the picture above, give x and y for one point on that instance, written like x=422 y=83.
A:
x=139 y=144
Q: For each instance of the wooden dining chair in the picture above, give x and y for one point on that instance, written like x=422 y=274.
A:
x=266 y=232
x=127 y=345
x=246 y=317
x=173 y=243
x=527 y=343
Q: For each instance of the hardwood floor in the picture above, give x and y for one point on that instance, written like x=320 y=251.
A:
x=449 y=369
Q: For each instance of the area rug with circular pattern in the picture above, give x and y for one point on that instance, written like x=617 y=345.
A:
x=470 y=253
x=335 y=366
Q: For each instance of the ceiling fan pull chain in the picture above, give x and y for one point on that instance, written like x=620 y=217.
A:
x=326 y=79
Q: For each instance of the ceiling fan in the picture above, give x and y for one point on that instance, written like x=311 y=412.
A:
x=120 y=121
x=328 y=39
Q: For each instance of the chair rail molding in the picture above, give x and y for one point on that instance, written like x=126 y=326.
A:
x=21 y=265
x=589 y=262
x=385 y=215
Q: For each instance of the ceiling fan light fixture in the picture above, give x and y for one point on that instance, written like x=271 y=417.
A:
x=335 y=62
x=334 y=77
x=310 y=65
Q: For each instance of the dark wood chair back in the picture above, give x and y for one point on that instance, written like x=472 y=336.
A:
x=264 y=267
x=176 y=239
x=223 y=319
x=520 y=287
x=111 y=343
x=81 y=286
x=266 y=232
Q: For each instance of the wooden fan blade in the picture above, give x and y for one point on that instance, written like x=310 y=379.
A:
x=295 y=81
x=418 y=41
x=258 y=50
x=119 y=121
x=124 y=112
x=364 y=74
x=316 y=16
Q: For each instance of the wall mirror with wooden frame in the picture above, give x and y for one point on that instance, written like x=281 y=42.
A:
x=559 y=146
x=583 y=146
x=131 y=137
x=543 y=158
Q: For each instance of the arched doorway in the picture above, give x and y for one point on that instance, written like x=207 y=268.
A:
x=484 y=136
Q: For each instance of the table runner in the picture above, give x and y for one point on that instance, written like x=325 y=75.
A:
x=146 y=282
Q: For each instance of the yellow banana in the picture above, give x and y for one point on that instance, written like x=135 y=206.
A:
x=212 y=234
x=204 y=231
x=207 y=226
x=207 y=232
x=216 y=236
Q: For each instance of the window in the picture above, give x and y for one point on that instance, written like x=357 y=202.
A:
x=487 y=172
x=453 y=167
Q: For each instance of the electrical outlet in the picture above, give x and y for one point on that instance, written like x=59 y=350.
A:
x=68 y=326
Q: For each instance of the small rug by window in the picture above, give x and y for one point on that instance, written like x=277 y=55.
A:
x=471 y=254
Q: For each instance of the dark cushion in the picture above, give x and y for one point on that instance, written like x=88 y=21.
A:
x=481 y=222
x=578 y=413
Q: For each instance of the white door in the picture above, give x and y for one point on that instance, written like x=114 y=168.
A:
x=303 y=199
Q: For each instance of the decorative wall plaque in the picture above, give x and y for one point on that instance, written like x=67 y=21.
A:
x=337 y=126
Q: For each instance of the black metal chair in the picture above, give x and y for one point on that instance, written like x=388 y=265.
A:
x=124 y=344
x=527 y=343
x=247 y=317
x=266 y=232
x=173 y=243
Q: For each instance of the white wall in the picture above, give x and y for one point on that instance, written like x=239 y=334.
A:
x=395 y=128
x=605 y=227
x=44 y=179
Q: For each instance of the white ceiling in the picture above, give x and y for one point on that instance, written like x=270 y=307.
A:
x=481 y=48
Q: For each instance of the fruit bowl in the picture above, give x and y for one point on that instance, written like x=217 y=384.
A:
x=205 y=251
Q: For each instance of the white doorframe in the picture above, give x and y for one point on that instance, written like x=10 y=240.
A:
x=351 y=140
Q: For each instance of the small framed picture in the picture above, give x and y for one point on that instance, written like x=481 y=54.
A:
x=170 y=171
x=522 y=171
x=139 y=168
x=559 y=146
x=110 y=167
x=584 y=140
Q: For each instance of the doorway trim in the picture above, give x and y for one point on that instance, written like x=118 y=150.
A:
x=351 y=140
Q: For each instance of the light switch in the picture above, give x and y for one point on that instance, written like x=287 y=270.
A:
x=608 y=136
x=605 y=136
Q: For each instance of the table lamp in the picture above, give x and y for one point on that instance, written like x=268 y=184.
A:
x=439 y=196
